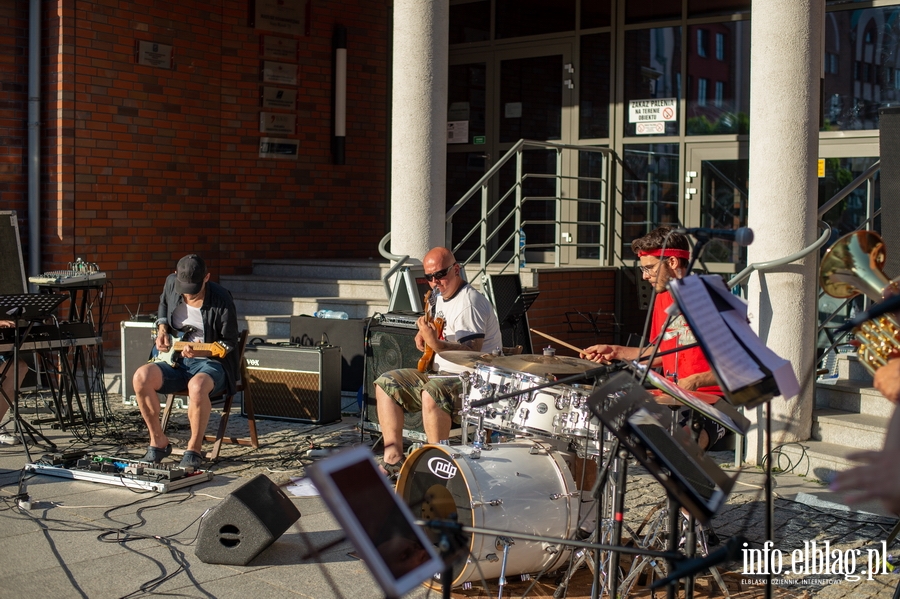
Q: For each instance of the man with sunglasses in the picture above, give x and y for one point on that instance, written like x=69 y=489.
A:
x=665 y=255
x=469 y=325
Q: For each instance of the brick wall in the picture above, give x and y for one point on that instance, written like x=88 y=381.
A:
x=573 y=291
x=142 y=164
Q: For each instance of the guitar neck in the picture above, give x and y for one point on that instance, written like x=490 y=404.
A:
x=180 y=345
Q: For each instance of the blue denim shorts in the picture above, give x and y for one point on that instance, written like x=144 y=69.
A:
x=176 y=379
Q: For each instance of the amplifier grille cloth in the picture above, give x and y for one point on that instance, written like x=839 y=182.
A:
x=288 y=394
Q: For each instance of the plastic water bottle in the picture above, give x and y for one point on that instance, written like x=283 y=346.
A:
x=331 y=314
x=521 y=248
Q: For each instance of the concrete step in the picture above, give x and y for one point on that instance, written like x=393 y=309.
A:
x=304 y=287
x=852 y=396
x=371 y=270
x=859 y=431
x=817 y=460
x=272 y=305
x=268 y=327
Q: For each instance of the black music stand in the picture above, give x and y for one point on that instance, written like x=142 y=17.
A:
x=30 y=307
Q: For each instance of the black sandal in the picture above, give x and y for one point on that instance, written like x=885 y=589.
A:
x=155 y=455
x=392 y=470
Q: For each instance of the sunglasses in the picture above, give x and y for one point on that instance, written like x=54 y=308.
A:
x=439 y=274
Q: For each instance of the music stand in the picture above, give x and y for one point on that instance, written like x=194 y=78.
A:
x=31 y=307
x=511 y=304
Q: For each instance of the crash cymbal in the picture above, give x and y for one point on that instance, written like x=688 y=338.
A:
x=540 y=364
x=468 y=359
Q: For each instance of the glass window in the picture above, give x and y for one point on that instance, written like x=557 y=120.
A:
x=720 y=46
x=466 y=96
x=701 y=42
x=591 y=205
x=701 y=92
x=650 y=191
x=850 y=213
x=470 y=22
x=865 y=45
x=595 y=13
x=730 y=110
x=464 y=169
x=641 y=12
x=593 y=113
x=531 y=98
x=517 y=18
x=723 y=205
x=652 y=68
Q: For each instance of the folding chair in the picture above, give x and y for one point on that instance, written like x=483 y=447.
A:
x=227 y=399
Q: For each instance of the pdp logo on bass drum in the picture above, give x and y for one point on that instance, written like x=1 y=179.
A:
x=442 y=468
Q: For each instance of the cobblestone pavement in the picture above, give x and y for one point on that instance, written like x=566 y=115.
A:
x=283 y=456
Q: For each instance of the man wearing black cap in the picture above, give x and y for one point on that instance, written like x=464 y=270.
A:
x=202 y=312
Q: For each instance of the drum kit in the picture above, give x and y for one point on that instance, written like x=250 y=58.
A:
x=525 y=485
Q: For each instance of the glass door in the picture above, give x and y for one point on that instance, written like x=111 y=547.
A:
x=715 y=197
x=496 y=99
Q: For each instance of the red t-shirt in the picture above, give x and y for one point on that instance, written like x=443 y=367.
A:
x=684 y=363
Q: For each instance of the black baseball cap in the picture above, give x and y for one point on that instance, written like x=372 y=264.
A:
x=190 y=274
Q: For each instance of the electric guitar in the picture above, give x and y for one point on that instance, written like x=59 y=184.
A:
x=217 y=349
x=428 y=355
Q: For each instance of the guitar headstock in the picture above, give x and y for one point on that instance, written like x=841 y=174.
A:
x=218 y=350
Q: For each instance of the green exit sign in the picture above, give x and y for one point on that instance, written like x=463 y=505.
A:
x=478 y=140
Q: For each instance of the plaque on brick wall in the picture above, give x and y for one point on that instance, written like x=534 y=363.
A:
x=279 y=72
x=152 y=54
x=281 y=48
x=280 y=16
x=279 y=97
x=270 y=147
x=276 y=122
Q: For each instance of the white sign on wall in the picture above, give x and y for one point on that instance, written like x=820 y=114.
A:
x=653 y=111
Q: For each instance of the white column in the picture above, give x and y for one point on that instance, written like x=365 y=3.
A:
x=419 y=126
x=785 y=72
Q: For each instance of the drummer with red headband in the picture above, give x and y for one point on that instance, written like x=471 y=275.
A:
x=665 y=255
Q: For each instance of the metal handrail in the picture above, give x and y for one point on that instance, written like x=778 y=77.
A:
x=866 y=175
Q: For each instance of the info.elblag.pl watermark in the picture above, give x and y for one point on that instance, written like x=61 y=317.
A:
x=817 y=559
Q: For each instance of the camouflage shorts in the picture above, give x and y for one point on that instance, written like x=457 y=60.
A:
x=406 y=386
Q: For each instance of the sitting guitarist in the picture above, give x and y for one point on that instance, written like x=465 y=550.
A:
x=469 y=325
x=190 y=301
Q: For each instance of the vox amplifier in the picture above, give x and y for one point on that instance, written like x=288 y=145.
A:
x=291 y=382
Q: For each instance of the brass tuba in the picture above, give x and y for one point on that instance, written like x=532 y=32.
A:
x=853 y=265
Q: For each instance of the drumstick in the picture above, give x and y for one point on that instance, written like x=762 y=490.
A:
x=560 y=341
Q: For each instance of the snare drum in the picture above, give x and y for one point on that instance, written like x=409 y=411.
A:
x=523 y=487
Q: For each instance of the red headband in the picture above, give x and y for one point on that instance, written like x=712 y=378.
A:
x=668 y=252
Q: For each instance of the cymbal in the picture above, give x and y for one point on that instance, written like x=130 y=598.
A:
x=540 y=364
x=468 y=359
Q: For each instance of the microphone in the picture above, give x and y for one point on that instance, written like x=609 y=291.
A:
x=891 y=304
x=731 y=551
x=742 y=236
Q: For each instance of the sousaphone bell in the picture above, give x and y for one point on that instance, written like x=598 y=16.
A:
x=854 y=266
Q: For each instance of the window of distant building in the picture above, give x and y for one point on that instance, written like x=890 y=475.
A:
x=702 y=36
x=720 y=95
x=720 y=46
x=701 y=91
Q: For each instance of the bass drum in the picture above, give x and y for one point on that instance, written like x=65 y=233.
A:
x=523 y=487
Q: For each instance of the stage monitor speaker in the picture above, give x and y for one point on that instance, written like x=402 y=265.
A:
x=12 y=266
x=246 y=522
x=889 y=177
x=349 y=335
x=291 y=382
x=390 y=348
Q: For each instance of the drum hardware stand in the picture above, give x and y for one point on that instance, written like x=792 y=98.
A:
x=448 y=541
